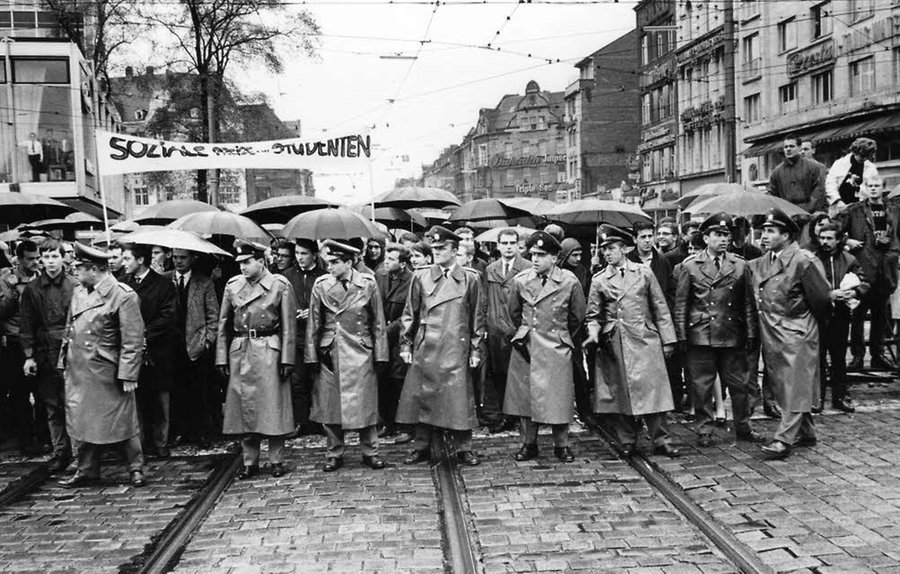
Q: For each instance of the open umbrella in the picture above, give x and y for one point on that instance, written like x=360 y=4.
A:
x=745 y=204
x=394 y=217
x=492 y=235
x=70 y=222
x=17 y=207
x=168 y=211
x=407 y=197
x=894 y=192
x=173 y=239
x=486 y=209
x=127 y=226
x=330 y=223
x=206 y=223
x=281 y=209
x=707 y=190
x=597 y=211
x=533 y=205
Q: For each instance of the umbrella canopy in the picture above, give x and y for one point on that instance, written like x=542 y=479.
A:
x=486 y=209
x=407 y=197
x=330 y=223
x=597 y=211
x=168 y=211
x=707 y=190
x=894 y=192
x=492 y=235
x=173 y=239
x=394 y=217
x=126 y=225
x=533 y=205
x=281 y=209
x=745 y=204
x=16 y=208
x=72 y=221
x=206 y=223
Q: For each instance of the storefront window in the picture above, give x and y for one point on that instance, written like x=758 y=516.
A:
x=43 y=130
x=40 y=71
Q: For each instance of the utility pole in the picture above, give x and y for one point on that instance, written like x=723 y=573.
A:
x=11 y=110
x=730 y=115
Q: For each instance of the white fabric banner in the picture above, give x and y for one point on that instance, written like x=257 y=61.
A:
x=121 y=153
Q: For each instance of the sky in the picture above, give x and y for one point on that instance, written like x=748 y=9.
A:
x=347 y=88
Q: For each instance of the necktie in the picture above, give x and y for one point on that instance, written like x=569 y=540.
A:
x=774 y=258
x=345 y=284
x=446 y=273
x=181 y=283
x=718 y=265
x=622 y=271
x=543 y=280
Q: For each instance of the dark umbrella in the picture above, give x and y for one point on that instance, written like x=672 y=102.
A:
x=597 y=211
x=485 y=210
x=281 y=209
x=71 y=222
x=394 y=217
x=173 y=239
x=409 y=197
x=168 y=211
x=330 y=223
x=206 y=223
x=16 y=208
x=533 y=205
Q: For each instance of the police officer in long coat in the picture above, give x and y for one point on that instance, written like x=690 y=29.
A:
x=345 y=335
x=792 y=294
x=255 y=351
x=102 y=355
x=716 y=321
x=627 y=316
x=546 y=308
x=443 y=329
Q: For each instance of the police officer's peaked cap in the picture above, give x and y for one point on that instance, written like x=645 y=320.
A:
x=338 y=248
x=777 y=218
x=90 y=255
x=438 y=235
x=244 y=249
x=543 y=242
x=610 y=234
x=718 y=222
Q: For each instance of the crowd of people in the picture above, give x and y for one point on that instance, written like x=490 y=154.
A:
x=142 y=347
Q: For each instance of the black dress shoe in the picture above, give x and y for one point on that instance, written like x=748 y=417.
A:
x=526 y=452
x=807 y=442
x=137 y=479
x=497 y=427
x=78 y=480
x=818 y=408
x=883 y=363
x=627 y=450
x=771 y=410
x=278 y=470
x=844 y=405
x=468 y=458
x=59 y=463
x=417 y=456
x=374 y=462
x=750 y=436
x=705 y=440
x=776 y=450
x=333 y=463
x=855 y=364
x=667 y=450
x=564 y=453
x=163 y=452
x=719 y=422
x=248 y=472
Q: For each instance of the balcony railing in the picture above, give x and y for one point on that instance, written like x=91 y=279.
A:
x=751 y=68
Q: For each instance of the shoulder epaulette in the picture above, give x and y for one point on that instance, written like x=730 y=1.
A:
x=233 y=279
x=126 y=288
x=321 y=278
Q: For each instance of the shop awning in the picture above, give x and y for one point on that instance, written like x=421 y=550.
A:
x=884 y=123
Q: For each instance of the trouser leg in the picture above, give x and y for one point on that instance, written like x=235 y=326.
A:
x=22 y=412
x=89 y=459
x=422 y=439
x=495 y=381
x=189 y=399
x=301 y=392
x=878 y=306
x=626 y=428
x=51 y=390
x=857 y=336
x=133 y=453
x=676 y=382
x=528 y=430
x=276 y=449
x=658 y=427
x=560 y=435
x=462 y=440
x=731 y=365
x=334 y=441
x=838 y=352
x=161 y=425
x=702 y=365
x=250 y=449
x=368 y=440
x=583 y=385
x=389 y=389
x=807 y=426
x=794 y=426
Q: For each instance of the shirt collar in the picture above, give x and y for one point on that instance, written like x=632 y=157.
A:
x=140 y=278
x=186 y=275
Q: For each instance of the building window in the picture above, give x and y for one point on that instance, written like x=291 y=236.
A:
x=862 y=76
x=40 y=71
x=2 y=70
x=896 y=64
x=141 y=195
x=645 y=109
x=787 y=35
x=751 y=108
x=482 y=159
x=861 y=9
x=508 y=150
x=749 y=9
x=820 y=16
x=645 y=49
x=787 y=97
x=510 y=177
x=751 y=66
x=823 y=87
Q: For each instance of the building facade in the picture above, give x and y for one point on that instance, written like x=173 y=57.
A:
x=826 y=71
x=602 y=122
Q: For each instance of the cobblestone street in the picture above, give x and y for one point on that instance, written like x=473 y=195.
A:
x=831 y=508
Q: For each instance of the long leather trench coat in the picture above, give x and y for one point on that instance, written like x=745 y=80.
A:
x=500 y=328
x=394 y=292
x=630 y=316
x=548 y=317
x=257 y=331
x=791 y=294
x=103 y=346
x=351 y=324
x=443 y=326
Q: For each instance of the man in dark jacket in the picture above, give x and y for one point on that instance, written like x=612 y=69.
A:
x=797 y=179
x=159 y=311
x=393 y=284
x=570 y=260
x=837 y=263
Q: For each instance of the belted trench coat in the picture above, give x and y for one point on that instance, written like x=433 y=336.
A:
x=103 y=345
x=443 y=326
x=630 y=317
x=548 y=317
x=257 y=331
x=351 y=324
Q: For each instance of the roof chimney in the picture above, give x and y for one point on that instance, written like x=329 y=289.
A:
x=149 y=70
x=129 y=71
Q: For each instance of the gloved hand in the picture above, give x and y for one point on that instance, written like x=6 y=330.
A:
x=521 y=345
x=224 y=370
x=285 y=371
x=324 y=354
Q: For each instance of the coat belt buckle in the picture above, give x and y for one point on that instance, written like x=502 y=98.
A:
x=251 y=333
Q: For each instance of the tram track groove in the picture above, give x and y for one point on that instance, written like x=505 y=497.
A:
x=461 y=555
x=24 y=485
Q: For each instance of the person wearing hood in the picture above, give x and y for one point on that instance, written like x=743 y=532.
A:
x=570 y=260
x=374 y=255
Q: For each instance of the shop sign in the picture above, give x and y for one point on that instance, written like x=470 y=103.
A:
x=811 y=58
x=865 y=35
x=500 y=161
x=701 y=48
x=669 y=195
x=654 y=133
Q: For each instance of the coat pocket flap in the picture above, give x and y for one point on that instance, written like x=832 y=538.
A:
x=521 y=333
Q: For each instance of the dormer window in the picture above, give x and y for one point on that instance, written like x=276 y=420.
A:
x=140 y=115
